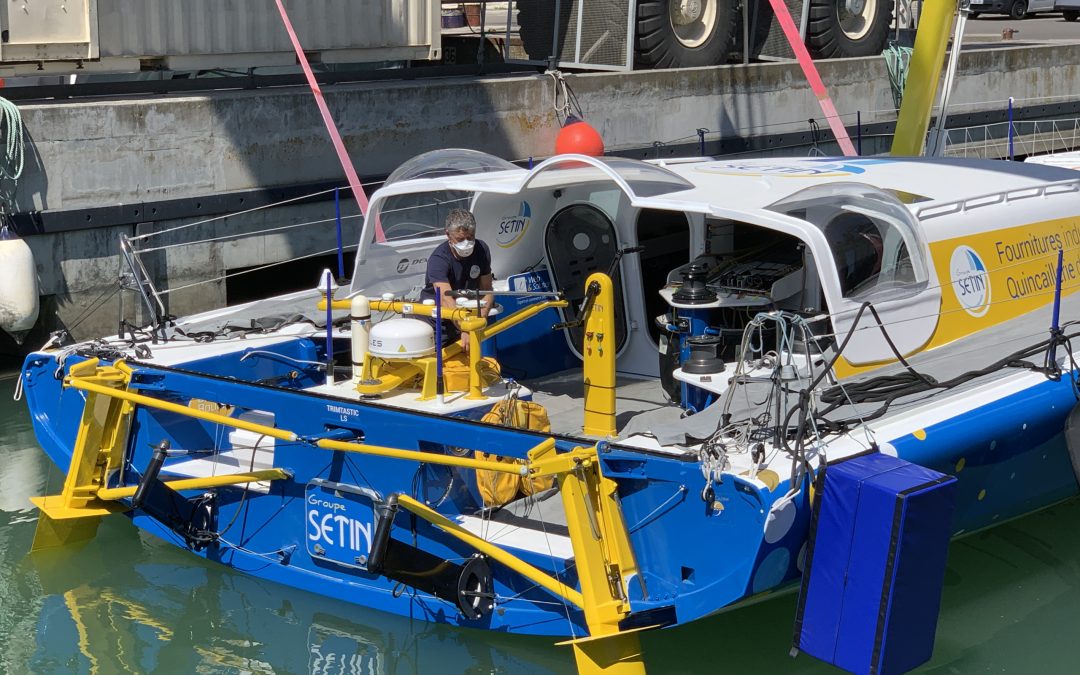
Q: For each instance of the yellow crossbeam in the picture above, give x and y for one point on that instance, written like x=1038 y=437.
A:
x=399 y=307
x=152 y=402
x=428 y=457
x=496 y=553
x=201 y=483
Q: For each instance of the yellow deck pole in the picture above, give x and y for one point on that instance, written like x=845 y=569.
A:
x=598 y=351
x=924 y=73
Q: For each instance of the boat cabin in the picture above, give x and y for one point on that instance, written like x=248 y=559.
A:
x=698 y=247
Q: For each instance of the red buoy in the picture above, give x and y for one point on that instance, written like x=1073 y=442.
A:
x=579 y=137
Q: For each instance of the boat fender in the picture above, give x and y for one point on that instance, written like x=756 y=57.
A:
x=1072 y=439
x=18 y=285
x=579 y=137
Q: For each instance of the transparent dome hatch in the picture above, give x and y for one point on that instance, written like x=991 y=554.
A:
x=449 y=162
x=640 y=178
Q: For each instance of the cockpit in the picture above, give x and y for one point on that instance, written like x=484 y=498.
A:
x=691 y=270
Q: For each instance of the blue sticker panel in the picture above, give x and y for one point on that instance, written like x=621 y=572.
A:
x=339 y=521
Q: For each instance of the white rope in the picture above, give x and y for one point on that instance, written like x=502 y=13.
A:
x=560 y=97
x=156 y=233
x=255 y=233
x=236 y=235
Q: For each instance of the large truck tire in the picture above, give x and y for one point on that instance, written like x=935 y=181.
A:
x=684 y=33
x=842 y=28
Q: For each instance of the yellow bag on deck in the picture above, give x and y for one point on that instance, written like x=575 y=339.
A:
x=497 y=488
x=456 y=372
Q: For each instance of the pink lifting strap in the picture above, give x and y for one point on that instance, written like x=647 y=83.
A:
x=335 y=137
x=811 y=73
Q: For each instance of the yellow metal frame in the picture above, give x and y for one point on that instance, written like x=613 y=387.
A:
x=598 y=354
x=431 y=457
x=201 y=482
x=598 y=533
x=380 y=374
x=924 y=73
x=73 y=515
x=513 y=562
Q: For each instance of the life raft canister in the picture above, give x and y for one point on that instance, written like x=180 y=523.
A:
x=18 y=285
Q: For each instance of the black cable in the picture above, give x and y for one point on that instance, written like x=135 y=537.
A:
x=886 y=389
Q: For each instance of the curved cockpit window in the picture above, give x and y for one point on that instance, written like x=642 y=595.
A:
x=642 y=178
x=413 y=215
x=875 y=241
x=451 y=162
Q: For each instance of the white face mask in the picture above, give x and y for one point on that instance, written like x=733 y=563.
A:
x=464 y=248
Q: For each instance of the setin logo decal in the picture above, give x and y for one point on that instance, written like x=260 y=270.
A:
x=512 y=228
x=970 y=280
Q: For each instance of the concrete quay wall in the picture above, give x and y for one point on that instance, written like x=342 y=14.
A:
x=140 y=151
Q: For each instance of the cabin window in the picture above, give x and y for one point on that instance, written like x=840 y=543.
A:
x=411 y=216
x=875 y=242
x=607 y=201
x=870 y=255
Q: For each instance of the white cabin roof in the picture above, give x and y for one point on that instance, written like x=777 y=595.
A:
x=929 y=187
x=750 y=184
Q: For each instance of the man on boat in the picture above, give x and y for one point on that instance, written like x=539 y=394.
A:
x=462 y=262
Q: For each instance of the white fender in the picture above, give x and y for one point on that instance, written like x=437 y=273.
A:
x=360 y=326
x=18 y=286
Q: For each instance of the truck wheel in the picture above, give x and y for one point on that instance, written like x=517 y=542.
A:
x=1019 y=9
x=683 y=33
x=1070 y=15
x=841 y=28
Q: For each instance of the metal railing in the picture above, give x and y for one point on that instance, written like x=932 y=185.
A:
x=1018 y=138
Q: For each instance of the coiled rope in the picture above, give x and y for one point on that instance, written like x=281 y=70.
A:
x=11 y=163
x=897 y=60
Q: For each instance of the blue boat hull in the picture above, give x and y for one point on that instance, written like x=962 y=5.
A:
x=1010 y=458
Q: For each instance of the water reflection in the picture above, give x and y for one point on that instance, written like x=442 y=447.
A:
x=170 y=614
x=128 y=603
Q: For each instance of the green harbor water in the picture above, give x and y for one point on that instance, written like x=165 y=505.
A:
x=129 y=603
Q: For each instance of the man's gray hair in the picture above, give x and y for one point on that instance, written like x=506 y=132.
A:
x=461 y=220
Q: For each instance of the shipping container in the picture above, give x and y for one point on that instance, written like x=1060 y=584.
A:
x=191 y=34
